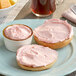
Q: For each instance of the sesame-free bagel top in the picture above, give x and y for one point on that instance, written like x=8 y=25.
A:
x=53 y=31
x=36 y=55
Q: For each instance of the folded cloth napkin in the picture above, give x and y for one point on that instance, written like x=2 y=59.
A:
x=70 y=14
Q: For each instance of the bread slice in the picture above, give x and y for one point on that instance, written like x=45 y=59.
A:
x=5 y=4
x=54 y=45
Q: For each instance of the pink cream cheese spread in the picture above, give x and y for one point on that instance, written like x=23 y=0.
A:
x=53 y=31
x=36 y=55
x=17 y=32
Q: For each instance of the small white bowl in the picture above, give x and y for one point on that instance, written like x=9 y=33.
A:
x=13 y=45
x=5 y=11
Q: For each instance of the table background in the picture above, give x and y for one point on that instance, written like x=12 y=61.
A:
x=57 y=14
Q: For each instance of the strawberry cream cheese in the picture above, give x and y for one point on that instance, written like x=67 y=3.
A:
x=36 y=55
x=53 y=31
x=17 y=32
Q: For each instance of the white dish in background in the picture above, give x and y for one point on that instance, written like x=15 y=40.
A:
x=5 y=11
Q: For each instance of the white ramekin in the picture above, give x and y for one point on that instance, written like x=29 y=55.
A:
x=13 y=45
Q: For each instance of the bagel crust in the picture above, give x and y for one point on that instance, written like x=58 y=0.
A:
x=54 y=45
x=36 y=68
